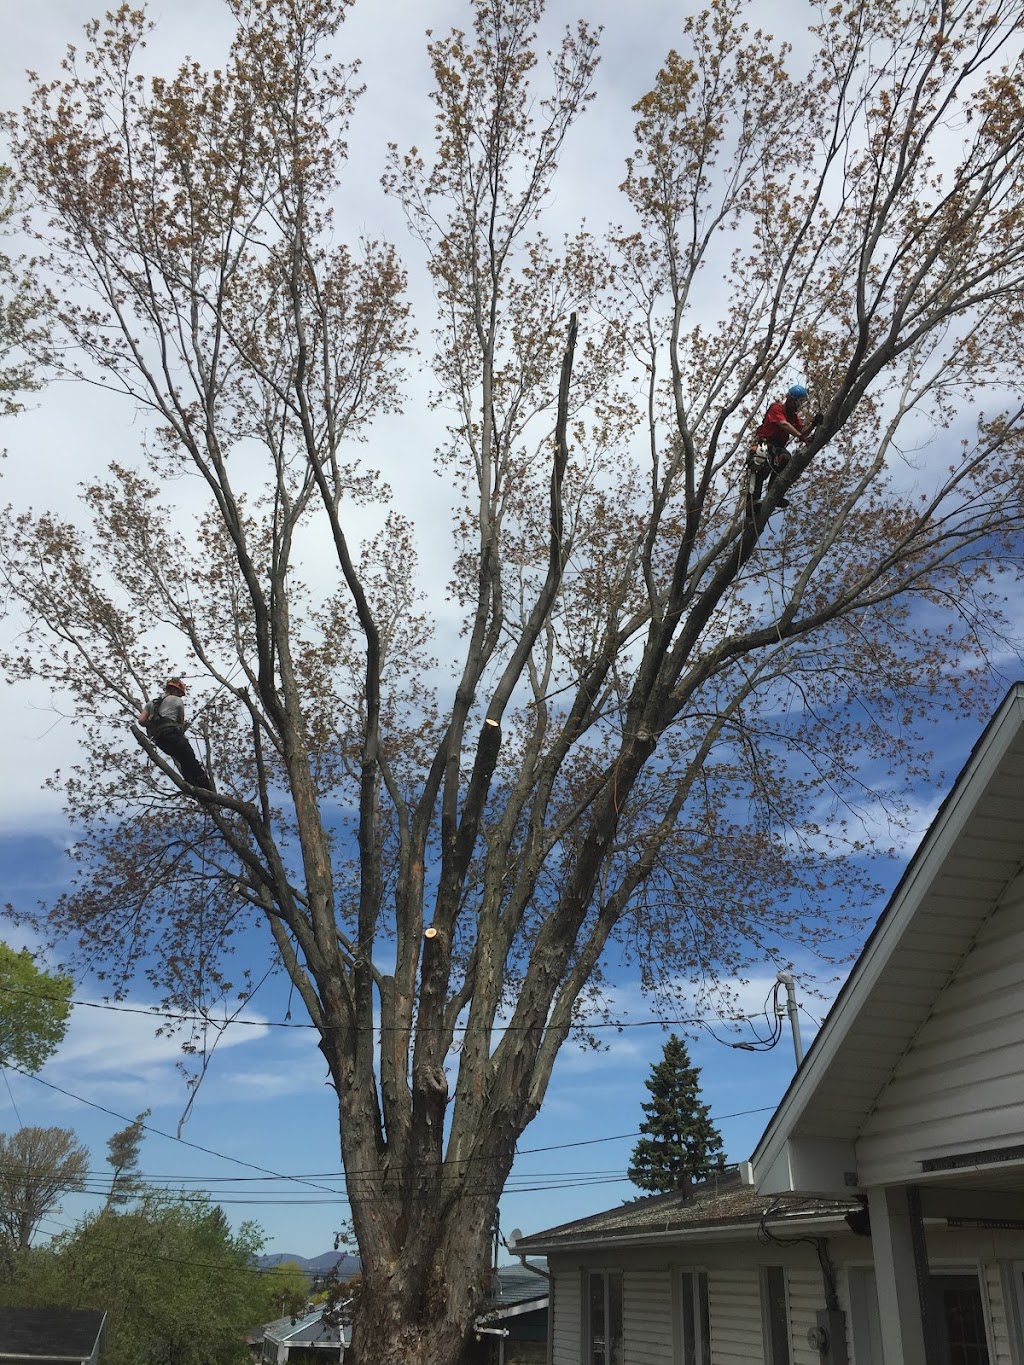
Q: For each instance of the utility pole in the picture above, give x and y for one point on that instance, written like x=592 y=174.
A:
x=786 y=979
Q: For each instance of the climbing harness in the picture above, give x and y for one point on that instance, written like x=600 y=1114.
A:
x=764 y=461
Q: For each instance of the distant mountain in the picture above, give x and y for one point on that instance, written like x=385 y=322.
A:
x=343 y=1263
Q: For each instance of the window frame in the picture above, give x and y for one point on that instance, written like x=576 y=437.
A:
x=606 y=1273
x=768 y=1298
x=975 y=1271
x=692 y=1283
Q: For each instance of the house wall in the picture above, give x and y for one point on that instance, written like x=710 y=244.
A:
x=960 y=1085
x=734 y=1294
x=649 y=1307
x=647 y=1315
x=806 y=1296
x=565 y=1305
x=733 y=1270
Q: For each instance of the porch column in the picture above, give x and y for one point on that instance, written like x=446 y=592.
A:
x=901 y=1273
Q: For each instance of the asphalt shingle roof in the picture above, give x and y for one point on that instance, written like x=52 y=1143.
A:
x=515 y=1284
x=722 y=1202
x=54 y=1333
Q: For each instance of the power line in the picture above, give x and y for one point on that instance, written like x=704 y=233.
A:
x=153 y=1011
x=149 y=1128
x=225 y=1180
x=355 y=1175
x=10 y=1093
x=622 y=1137
x=475 y=1186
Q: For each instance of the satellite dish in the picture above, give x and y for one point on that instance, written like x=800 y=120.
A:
x=513 y=1238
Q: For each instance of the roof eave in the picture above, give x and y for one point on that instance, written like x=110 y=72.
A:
x=716 y=1232
x=920 y=875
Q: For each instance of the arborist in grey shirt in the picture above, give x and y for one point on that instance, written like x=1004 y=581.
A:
x=164 y=719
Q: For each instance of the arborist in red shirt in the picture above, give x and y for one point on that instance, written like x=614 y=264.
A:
x=768 y=456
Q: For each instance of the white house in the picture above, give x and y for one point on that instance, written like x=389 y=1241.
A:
x=880 y=1220
x=306 y=1338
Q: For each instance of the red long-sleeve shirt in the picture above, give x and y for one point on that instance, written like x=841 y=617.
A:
x=771 y=429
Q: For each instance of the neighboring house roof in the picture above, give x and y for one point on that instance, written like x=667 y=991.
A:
x=49 y=1333
x=725 y=1205
x=309 y=1330
x=951 y=886
x=515 y=1284
x=516 y=1293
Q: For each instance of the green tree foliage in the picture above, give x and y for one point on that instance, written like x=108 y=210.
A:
x=37 y=1167
x=123 y=1156
x=34 y=1010
x=681 y=1145
x=178 y=1286
x=286 y=1288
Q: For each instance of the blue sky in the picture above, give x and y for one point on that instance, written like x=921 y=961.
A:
x=264 y=1113
x=264 y=1102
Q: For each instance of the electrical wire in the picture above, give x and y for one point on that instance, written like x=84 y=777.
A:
x=623 y=1137
x=10 y=1094
x=774 y=1020
x=154 y=1012
x=311 y=1179
x=149 y=1128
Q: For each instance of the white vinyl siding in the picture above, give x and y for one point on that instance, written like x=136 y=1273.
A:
x=863 y=1330
x=567 y=1323
x=999 y=1327
x=734 y=1293
x=958 y=1086
x=806 y=1297
x=647 y=1317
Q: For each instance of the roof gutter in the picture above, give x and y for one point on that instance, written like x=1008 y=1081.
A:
x=728 y=1232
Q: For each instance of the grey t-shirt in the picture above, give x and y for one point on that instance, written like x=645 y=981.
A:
x=168 y=707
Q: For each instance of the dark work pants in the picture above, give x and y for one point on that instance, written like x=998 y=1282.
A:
x=171 y=739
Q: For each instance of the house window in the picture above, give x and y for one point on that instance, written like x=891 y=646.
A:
x=959 y=1319
x=695 y=1317
x=604 y=1317
x=956 y=1314
x=775 y=1315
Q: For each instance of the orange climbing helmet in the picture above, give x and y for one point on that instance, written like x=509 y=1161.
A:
x=175 y=685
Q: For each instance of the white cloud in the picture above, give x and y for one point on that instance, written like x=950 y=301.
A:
x=102 y=1038
x=299 y=1077
x=117 y=1059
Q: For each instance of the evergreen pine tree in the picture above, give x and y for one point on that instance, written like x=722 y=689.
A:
x=682 y=1144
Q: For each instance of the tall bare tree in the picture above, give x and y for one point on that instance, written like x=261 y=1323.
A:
x=37 y=1167
x=651 y=738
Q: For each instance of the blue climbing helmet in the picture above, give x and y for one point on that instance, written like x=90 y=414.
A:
x=796 y=391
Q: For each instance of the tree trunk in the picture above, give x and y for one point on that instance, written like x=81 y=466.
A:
x=405 y=1317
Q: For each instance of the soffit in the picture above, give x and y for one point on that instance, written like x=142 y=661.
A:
x=975 y=846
